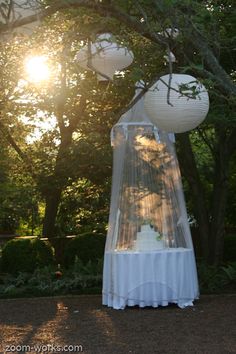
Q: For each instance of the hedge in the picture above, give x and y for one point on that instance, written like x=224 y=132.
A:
x=87 y=247
x=25 y=255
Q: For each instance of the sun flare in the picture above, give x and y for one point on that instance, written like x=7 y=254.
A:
x=37 y=69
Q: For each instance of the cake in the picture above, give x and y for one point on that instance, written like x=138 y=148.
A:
x=148 y=239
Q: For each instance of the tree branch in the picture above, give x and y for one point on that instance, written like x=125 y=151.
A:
x=75 y=120
x=144 y=88
x=90 y=64
x=206 y=141
x=220 y=75
x=6 y=134
x=103 y=10
x=197 y=39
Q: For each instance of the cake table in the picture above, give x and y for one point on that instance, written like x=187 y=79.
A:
x=150 y=278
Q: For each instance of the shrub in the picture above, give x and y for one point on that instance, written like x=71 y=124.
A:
x=214 y=279
x=230 y=248
x=25 y=255
x=43 y=252
x=87 y=247
x=80 y=278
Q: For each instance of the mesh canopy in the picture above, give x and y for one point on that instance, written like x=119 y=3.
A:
x=147 y=208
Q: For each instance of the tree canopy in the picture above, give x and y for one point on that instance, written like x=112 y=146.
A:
x=81 y=112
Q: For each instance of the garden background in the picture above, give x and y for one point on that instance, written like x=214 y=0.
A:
x=55 y=153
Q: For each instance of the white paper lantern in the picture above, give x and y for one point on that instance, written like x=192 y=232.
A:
x=171 y=33
x=107 y=56
x=183 y=113
x=18 y=10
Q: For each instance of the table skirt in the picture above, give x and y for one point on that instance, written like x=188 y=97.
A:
x=150 y=278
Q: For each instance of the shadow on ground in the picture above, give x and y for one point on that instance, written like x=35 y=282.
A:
x=208 y=327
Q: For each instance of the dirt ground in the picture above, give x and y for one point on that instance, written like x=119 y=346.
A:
x=81 y=324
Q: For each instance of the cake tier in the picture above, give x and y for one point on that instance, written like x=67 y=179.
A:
x=146 y=228
x=150 y=245
x=147 y=241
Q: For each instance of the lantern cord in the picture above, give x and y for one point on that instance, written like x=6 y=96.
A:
x=170 y=75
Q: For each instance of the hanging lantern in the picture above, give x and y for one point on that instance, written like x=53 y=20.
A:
x=17 y=10
x=171 y=33
x=105 y=57
x=187 y=107
x=170 y=57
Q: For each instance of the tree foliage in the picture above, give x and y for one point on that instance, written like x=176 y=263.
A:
x=84 y=112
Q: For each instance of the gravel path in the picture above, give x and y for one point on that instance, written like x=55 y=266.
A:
x=81 y=324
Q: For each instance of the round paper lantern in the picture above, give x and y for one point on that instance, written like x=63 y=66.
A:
x=107 y=56
x=189 y=103
x=171 y=33
x=18 y=10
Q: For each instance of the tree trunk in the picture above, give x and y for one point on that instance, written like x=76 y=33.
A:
x=56 y=184
x=189 y=168
x=219 y=199
x=52 y=203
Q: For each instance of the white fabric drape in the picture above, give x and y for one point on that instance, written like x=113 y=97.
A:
x=146 y=188
x=147 y=217
x=150 y=278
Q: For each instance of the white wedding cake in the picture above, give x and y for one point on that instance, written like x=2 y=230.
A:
x=147 y=239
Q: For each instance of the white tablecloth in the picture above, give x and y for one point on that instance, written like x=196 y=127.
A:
x=150 y=278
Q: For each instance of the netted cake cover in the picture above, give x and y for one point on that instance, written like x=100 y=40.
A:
x=147 y=210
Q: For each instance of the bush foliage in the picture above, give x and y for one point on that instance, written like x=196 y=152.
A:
x=80 y=278
x=230 y=248
x=25 y=255
x=87 y=247
x=214 y=280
